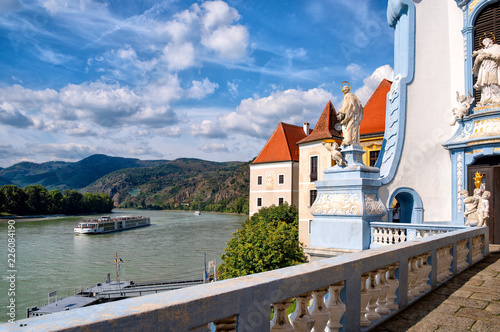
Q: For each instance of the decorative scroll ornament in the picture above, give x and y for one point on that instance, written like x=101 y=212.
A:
x=463 y=107
x=337 y=204
x=460 y=174
x=372 y=205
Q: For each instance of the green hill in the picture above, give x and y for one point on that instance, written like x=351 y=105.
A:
x=184 y=183
x=65 y=175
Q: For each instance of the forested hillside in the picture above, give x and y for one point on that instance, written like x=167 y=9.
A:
x=180 y=184
x=64 y=175
x=191 y=184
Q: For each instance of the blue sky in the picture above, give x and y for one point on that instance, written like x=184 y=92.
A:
x=169 y=79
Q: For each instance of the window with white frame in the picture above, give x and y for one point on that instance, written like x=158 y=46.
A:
x=259 y=201
x=281 y=179
x=259 y=180
x=281 y=200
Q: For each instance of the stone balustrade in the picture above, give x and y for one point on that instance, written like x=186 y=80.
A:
x=350 y=292
x=386 y=233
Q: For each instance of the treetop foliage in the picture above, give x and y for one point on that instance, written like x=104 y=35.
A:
x=267 y=241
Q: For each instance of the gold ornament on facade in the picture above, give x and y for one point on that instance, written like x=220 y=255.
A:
x=477 y=179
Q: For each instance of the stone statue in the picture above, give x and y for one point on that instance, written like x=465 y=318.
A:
x=334 y=149
x=350 y=116
x=483 y=212
x=476 y=207
x=486 y=68
x=463 y=107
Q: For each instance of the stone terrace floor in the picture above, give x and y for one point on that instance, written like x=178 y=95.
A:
x=468 y=302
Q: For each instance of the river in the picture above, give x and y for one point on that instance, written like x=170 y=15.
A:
x=49 y=256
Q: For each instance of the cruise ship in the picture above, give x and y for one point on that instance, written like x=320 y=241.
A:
x=107 y=225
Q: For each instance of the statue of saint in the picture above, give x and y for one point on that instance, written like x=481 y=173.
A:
x=350 y=116
x=486 y=68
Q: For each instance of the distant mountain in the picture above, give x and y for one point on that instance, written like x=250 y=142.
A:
x=201 y=184
x=65 y=175
x=182 y=183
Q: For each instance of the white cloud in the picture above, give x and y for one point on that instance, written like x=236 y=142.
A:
x=164 y=90
x=233 y=88
x=153 y=117
x=200 y=90
x=355 y=71
x=26 y=99
x=230 y=42
x=65 y=151
x=174 y=131
x=371 y=83
x=214 y=147
x=179 y=57
x=208 y=129
x=257 y=117
x=218 y=13
x=12 y=117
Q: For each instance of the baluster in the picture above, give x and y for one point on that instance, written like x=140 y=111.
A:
x=426 y=270
x=384 y=287
x=374 y=239
x=477 y=248
x=374 y=292
x=393 y=286
x=440 y=265
x=449 y=260
x=383 y=237
x=419 y=234
x=415 y=281
x=417 y=267
x=462 y=252
x=226 y=324
x=300 y=318
x=396 y=235
x=411 y=281
x=403 y=236
x=426 y=233
x=280 y=320
x=335 y=306
x=390 y=238
x=365 y=298
x=318 y=310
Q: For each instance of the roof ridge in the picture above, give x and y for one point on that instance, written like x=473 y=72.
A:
x=378 y=87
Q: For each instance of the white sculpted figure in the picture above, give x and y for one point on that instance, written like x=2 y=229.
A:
x=350 y=116
x=486 y=68
x=334 y=149
x=483 y=210
x=463 y=107
x=476 y=207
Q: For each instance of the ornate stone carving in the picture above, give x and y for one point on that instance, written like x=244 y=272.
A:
x=463 y=107
x=350 y=116
x=334 y=149
x=465 y=133
x=487 y=71
x=372 y=205
x=337 y=204
x=477 y=206
x=460 y=167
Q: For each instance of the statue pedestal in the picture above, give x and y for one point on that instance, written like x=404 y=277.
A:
x=346 y=204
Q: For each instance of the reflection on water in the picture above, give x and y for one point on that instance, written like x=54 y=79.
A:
x=49 y=256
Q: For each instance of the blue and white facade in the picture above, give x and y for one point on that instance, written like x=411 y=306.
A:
x=423 y=162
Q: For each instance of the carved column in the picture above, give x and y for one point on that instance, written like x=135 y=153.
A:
x=300 y=318
x=318 y=310
x=365 y=298
x=336 y=307
x=384 y=287
x=280 y=320
x=374 y=292
x=393 y=287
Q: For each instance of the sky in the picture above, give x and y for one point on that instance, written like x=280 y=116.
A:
x=171 y=79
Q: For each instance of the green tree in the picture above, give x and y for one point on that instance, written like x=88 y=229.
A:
x=263 y=244
x=38 y=200
x=55 y=201
x=14 y=199
x=73 y=202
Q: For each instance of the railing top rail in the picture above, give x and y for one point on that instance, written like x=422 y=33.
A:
x=418 y=226
x=197 y=305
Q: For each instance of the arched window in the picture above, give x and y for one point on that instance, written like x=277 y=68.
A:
x=487 y=25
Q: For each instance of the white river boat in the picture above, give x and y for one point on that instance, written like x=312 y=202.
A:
x=107 y=225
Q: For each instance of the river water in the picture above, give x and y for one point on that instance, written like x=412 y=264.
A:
x=49 y=256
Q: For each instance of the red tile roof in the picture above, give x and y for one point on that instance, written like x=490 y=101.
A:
x=325 y=127
x=374 y=110
x=282 y=145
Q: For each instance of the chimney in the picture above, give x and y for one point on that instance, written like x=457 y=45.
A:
x=306 y=128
